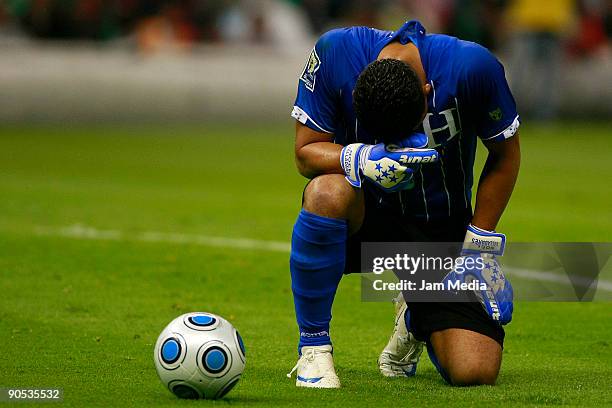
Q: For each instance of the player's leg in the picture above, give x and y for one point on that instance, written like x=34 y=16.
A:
x=401 y=355
x=465 y=357
x=332 y=210
x=463 y=343
x=331 y=196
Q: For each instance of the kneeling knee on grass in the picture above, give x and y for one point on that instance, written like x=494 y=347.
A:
x=467 y=358
x=469 y=373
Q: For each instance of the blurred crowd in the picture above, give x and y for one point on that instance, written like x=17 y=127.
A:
x=536 y=37
x=584 y=26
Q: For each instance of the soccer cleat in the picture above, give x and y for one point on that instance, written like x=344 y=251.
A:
x=315 y=368
x=402 y=353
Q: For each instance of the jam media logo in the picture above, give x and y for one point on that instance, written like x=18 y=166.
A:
x=309 y=76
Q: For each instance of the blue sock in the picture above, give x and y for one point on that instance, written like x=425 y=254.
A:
x=318 y=252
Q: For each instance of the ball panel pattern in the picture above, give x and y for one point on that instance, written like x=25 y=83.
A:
x=228 y=387
x=201 y=321
x=170 y=350
x=214 y=360
x=199 y=355
x=185 y=391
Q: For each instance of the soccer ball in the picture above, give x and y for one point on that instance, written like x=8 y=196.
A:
x=199 y=355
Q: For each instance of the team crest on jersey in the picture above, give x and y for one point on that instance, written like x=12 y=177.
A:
x=441 y=127
x=496 y=115
x=309 y=76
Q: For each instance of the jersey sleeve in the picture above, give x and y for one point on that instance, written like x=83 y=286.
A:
x=317 y=94
x=493 y=106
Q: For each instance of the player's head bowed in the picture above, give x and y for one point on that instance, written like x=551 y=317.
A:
x=389 y=99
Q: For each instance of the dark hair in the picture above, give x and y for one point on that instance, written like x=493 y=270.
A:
x=389 y=100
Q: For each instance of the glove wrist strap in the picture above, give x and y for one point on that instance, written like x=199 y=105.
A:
x=479 y=241
x=351 y=160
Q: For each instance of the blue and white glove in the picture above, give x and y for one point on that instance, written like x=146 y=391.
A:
x=390 y=167
x=483 y=247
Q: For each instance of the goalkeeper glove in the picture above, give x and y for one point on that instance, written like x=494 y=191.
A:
x=484 y=245
x=390 y=167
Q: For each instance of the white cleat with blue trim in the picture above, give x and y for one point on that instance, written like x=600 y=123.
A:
x=402 y=353
x=315 y=368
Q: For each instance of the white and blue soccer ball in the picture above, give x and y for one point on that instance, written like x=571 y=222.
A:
x=199 y=355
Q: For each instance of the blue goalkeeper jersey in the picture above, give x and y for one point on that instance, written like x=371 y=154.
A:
x=470 y=99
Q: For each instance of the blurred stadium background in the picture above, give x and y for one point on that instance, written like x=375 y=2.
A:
x=201 y=60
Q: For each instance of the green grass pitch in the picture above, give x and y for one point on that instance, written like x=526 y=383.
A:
x=83 y=314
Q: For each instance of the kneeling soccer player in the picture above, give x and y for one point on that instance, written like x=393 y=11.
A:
x=386 y=129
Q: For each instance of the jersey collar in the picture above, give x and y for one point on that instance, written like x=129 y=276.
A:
x=412 y=31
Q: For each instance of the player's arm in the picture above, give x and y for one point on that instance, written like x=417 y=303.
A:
x=390 y=167
x=497 y=182
x=495 y=187
x=481 y=241
x=315 y=152
x=315 y=108
x=497 y=122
